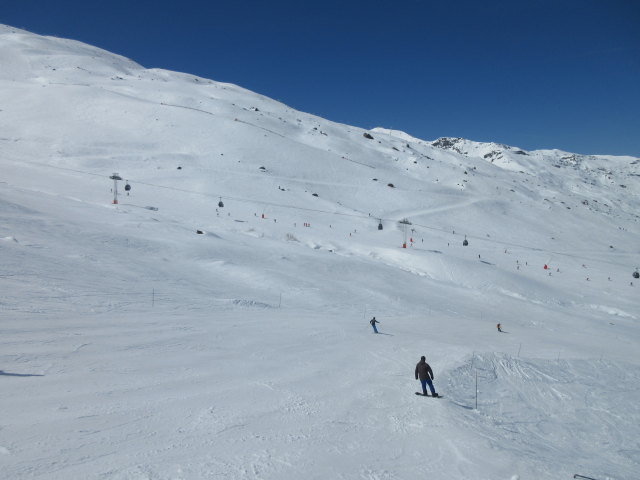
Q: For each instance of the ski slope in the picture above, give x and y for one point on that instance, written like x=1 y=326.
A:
x=135 y=348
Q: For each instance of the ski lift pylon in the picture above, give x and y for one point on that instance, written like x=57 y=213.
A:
x=115 y=177
x=404 y=223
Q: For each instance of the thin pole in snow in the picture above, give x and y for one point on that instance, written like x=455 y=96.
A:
x=476 y=389
x=519 y=350
x=582 y=476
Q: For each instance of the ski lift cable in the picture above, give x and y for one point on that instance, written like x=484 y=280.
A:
x=260 y=202
x=212 y=195
x=252 y=201
x=315 y=210
x=354 y=215
x=504 y=243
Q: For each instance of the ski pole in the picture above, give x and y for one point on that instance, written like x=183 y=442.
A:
x=582 y=476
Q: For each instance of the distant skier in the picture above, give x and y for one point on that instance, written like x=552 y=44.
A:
x=425 y=374
x=373 y=322
x=499 y=327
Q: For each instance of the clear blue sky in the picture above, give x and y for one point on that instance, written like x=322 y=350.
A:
x=533 y=74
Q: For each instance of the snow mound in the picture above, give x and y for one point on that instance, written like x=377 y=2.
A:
x=558 y=409
x=250 y=303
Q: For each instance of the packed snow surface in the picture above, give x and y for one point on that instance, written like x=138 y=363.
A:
x=168 y=337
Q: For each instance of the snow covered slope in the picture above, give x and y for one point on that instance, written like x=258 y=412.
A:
x=134 y=347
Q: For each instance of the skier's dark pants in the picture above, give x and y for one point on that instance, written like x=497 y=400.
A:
x=375 y=330
x=424 y=387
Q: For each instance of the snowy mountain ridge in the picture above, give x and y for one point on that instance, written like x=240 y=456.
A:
x=212 y=321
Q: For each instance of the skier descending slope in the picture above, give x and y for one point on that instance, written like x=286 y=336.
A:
x=373 y=322
x=425 y=374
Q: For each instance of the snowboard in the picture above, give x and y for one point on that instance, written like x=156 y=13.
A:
x=423 y=395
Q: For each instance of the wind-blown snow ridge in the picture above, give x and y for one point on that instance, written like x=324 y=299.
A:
x=214 y=321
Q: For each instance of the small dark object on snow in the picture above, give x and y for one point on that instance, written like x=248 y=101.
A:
x=391 y=185
x=314 y=194
x=367 y=135
x=199 y=232
x=636 y=274
x=465 y=243
x=179 y=168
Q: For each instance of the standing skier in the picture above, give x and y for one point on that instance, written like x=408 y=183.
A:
x=373 y=322
x=425 y=374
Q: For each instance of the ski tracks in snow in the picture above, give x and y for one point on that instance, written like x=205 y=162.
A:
x=569 y=412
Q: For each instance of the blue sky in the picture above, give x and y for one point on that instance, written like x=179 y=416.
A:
x=534 y=74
